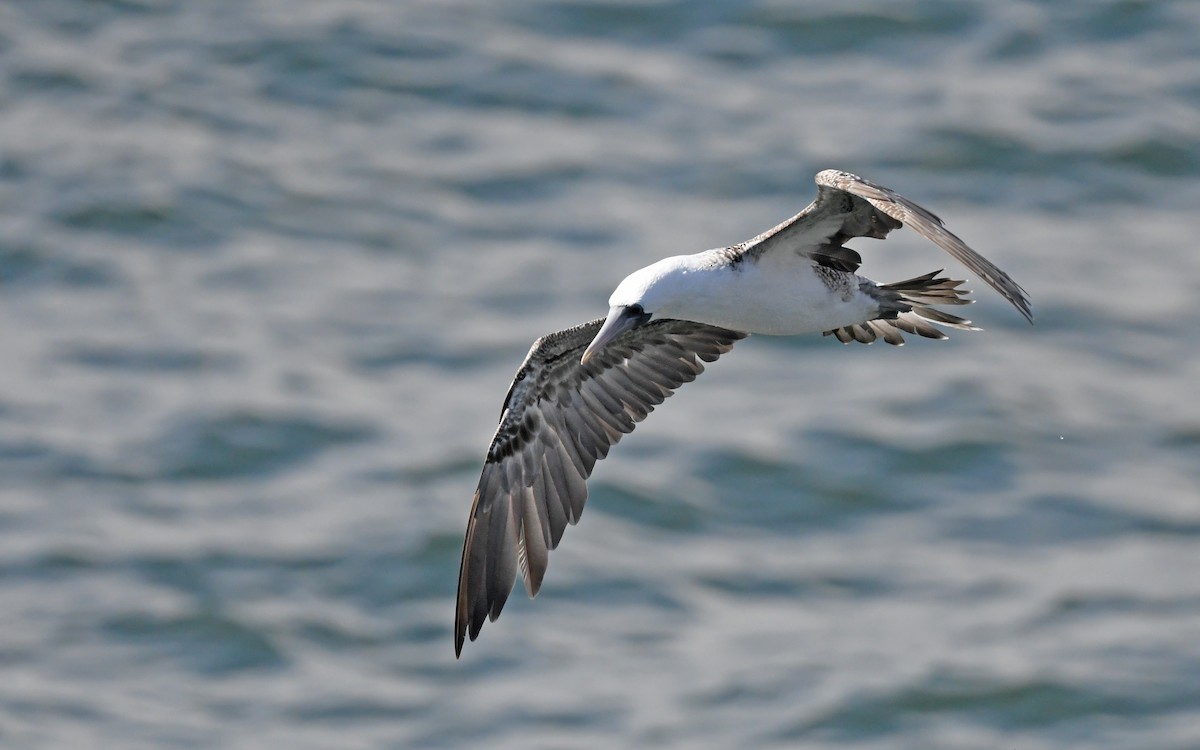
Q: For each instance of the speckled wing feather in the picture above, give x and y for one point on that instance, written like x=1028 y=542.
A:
x=559 y=418
x=848 y=206
x=931 y=228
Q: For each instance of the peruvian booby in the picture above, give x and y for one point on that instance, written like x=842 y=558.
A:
x=579 y=390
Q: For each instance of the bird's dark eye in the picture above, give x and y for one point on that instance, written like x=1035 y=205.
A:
x=638 y=314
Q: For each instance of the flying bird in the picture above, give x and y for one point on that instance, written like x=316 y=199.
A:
x=579 y=390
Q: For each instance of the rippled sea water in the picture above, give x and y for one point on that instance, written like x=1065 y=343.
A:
x=266 y=270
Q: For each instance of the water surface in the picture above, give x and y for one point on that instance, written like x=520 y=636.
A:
x=266 y=271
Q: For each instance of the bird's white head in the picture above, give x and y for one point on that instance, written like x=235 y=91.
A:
x=660 y=290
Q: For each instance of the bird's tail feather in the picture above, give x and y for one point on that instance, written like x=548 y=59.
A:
x=908 y=306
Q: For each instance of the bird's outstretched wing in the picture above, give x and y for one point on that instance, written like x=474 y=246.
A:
x=559 y=418
x=848 y=206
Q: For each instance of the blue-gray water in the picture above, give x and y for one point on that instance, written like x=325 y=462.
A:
x=266 y=269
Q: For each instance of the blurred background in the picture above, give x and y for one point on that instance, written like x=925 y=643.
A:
x=267 y=269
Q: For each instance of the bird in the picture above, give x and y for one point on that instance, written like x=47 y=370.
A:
x=581 y=389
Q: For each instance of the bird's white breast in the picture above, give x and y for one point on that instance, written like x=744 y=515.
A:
x=771 y=295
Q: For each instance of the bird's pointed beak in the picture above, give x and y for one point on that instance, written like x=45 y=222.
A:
x=621 y=318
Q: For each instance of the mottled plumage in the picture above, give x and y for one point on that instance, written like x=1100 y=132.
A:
x=559 y=418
